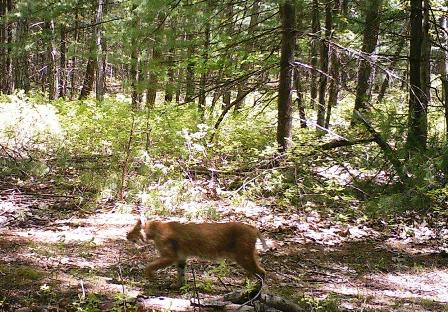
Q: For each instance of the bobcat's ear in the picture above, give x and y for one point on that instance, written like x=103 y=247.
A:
x=142 y=220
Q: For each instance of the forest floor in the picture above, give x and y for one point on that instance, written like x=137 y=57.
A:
x=56 y=257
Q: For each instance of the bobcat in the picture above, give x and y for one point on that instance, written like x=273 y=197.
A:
x=176 y=241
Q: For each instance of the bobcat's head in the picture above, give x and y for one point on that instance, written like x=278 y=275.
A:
x=137 y=233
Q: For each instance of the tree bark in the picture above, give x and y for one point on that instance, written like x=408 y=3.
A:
x=63 y=63
x=227 y=92
x=3 y=51
x=53 y=79
x=315 y=28
x=100 y=81
x=299 y=98
x=190 y=83
x=155 y=64
x=204 y=74
x=134 y=72
x=391 y=66
x=417 y=117
x=21 y=62
x=9 y=86
x=426 y=55
x=324 y=65
x=333 y=90
x=170 y=84
x=284 y=125
x=245 y=66
x=73 y=60
x=444 y=76
x=89 y=79
x=370 y=39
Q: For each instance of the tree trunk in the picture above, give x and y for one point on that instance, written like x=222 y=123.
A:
x=63 y=63
x=417 y=118
x=170 y=84
x=3 y=51
x=227 y=92
x=53 y=81
x=444 y=76
x=324 y=65
x=284 y=125
x=370 y=39
x=204 y=75
x=391 y=66
x=134 y=71
x=315 y=28
x=344 y=7
x=89 y=79
x=190 y=84
x=9 y=86
x=426 y=55
x=299 y=99
x=333 y=90
x=254 y=15
x=21 y=62
x=99 y=52
x=73 y=61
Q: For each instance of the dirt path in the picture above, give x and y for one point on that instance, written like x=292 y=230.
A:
x=53 y=261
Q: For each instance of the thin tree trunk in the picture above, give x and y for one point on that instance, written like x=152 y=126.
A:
x=324 y=65
x=426 y=55
x=204 y=75
x=99 y=51
x=284 y=125
x=63 y=63
x=3 y=51
x=190 y=84
x=391 y=66
x=254 y=15
x=53 y=81
x=169 y=87
x=21 y=62
x=299 y=99
x=315 y=28
x=9 y=86
x=444 y=76
x=417 y=119
x=134 y=71
x=344 y=7
x=370 y=39
x=89 y=79
x=73 y=60
x=333 y=90
x=227 y=92
x=154 y=68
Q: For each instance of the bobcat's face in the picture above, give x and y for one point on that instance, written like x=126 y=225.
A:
x=136 y=234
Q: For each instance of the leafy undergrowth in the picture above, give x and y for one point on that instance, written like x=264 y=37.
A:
x=80 y=261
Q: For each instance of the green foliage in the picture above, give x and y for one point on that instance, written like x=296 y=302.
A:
x=329 y=304
x=89 y=303
x=221 y=270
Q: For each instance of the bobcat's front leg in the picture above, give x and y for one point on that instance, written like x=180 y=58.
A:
x=181 y=272
x=158 y=263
